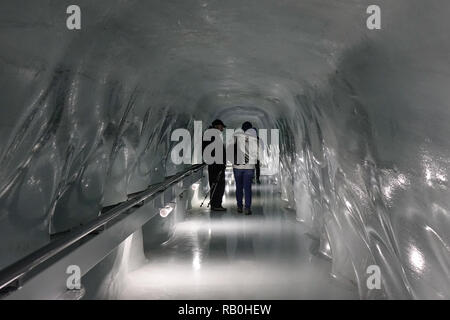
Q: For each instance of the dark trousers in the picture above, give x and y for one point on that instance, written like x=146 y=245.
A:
x=216 y=173
x=243 y=178
x=258 y=170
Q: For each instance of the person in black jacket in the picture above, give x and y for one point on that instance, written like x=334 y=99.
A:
x=216 y=173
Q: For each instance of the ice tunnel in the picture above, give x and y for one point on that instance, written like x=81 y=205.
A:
x=86 y=118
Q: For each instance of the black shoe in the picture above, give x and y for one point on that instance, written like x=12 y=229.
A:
x=248 y=211
x=240 y=210
x=218 y=208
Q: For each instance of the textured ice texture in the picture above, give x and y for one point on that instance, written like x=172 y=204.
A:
x=85 y=118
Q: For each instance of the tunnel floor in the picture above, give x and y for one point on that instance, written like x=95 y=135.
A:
x=211 y=255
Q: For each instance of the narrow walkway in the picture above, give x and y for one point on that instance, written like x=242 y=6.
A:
x=232 y=256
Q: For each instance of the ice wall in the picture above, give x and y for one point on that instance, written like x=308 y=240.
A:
x=387 y=155
x=370 y=171
x=85 y=117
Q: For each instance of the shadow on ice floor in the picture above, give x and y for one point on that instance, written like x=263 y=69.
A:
x=211 y=255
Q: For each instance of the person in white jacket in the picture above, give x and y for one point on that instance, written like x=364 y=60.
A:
x=245 y=151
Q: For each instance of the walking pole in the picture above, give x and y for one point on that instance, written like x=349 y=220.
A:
x=207 y=194
x=213 y=188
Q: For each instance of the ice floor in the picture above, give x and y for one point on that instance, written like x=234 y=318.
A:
x=231 y=256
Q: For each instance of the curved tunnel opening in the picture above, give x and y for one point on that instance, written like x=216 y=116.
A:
x=87 y=116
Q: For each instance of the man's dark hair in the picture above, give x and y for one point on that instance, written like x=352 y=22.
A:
x=247 y=125
x=218 y=122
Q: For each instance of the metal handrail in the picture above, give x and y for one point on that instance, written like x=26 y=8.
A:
x=21 y=268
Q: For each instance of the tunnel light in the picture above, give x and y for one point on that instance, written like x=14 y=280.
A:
x=195 y=186
x=196 y=261
x=416 y=259
x=164 y=212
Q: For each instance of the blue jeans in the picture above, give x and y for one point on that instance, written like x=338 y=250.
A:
x=244 y=178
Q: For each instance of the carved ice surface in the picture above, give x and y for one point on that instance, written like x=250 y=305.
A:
x=86 y=117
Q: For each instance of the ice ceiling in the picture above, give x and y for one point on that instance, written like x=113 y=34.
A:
x=86 y=116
